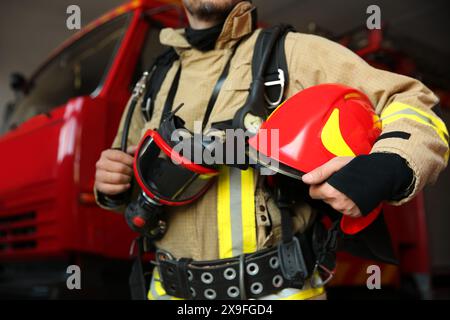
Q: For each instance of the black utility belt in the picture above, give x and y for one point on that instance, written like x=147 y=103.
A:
x=248 y=276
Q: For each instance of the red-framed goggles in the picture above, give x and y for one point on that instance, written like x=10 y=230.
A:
x=165 y=175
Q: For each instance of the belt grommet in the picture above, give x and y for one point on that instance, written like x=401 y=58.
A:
x=274 y=262
x=207 y=277
x=256 y=288
x=233 y=292
x=210 y=294
x=190 y=275
x=252 y=269
x=229 y=274
x=193 y=293
x=277 y=281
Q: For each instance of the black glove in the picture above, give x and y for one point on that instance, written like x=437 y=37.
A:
x=371 y=179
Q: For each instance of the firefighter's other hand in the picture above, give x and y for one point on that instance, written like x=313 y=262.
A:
x=321 y=190
x=114 y=171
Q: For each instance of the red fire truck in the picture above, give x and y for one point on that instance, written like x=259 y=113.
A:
x=68 y=113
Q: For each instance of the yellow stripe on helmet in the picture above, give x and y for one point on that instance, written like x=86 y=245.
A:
x=332 y=138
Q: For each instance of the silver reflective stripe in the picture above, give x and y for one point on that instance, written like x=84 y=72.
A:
x=236 y=225
x=155 y=294
x=411 y=112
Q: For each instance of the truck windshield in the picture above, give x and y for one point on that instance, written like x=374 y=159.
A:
x=76 y=71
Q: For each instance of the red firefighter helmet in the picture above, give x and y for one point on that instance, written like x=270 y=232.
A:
x=314 y=126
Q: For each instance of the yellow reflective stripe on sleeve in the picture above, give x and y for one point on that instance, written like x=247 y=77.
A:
x=236 y=212
x=398 y=110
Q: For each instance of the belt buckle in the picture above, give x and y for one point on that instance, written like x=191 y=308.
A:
x=162 y=255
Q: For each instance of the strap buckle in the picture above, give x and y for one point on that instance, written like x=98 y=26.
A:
x=280 y=82
x=139 y=88
x=292 y=263
x=242 y=288
x=146 y=109
x=320 y=269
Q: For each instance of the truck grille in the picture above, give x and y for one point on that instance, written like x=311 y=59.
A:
x=17 y=232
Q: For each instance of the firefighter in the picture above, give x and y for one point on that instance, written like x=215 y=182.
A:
x=238 y=216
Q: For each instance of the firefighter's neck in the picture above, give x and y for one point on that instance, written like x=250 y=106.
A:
x=199 y=24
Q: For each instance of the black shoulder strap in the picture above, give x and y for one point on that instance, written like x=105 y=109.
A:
x=212 y=100
x=268 y=65
x=158 y=71
x=269 y=72
x=276 y=75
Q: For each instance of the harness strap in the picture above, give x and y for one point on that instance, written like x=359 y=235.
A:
x=159 y=69
x=136 y=280
x=216 y=90
x=168 y=105
x=269 y=45
x=276 y=73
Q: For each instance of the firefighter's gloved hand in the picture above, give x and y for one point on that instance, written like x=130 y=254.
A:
x=369 y=180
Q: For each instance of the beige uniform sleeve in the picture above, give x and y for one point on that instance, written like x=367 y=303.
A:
x=134 y=135
x=403 y=103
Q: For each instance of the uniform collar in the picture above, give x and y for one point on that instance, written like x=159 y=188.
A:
x=238 y=24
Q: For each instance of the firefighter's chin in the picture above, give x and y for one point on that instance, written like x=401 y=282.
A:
x=210 y=10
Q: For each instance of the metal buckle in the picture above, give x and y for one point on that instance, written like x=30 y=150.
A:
x=145 y=108
x=280 y=82
x=162 y=255
x=323 y=269
x=139 y=88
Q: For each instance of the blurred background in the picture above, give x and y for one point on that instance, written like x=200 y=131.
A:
x=47 y=216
